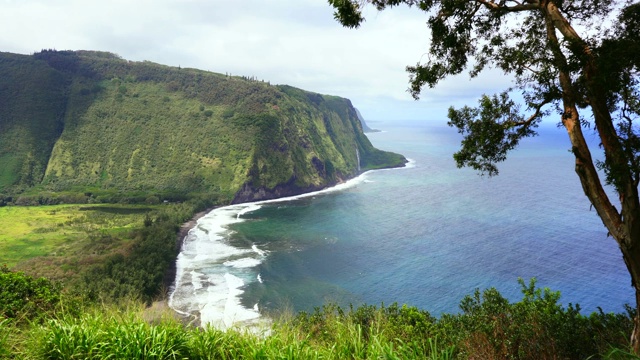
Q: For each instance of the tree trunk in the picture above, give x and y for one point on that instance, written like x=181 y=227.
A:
x=630 y=247
x=624 y=227
x=633 y=265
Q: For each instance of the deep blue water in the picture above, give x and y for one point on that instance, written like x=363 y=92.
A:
x=429 y=234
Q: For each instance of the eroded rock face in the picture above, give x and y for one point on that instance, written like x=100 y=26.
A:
x=249 y=194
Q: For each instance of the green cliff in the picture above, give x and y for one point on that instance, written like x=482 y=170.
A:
x=90 y=121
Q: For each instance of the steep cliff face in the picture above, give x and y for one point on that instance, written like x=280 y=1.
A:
x=307 y=142
x=32 y=107
x=365 y=127
x=100 y=122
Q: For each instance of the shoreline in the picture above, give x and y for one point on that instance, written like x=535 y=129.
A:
x=157 y=308
x=195 y=318
x=170 y=274
x=170 y=277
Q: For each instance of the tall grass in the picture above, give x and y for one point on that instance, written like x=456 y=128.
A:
x=5 y=330
x=122 y=333
x=99 y=337
x=106 y=332
x=488 y=327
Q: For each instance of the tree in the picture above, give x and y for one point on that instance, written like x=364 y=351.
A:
x=567 y=57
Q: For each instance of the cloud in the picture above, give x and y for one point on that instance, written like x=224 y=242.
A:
x=295 y=42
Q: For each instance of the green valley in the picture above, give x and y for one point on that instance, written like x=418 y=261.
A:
x=106 y=158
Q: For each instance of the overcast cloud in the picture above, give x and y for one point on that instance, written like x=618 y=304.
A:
x=294 y=42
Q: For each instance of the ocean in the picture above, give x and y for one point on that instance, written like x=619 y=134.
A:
x=425 y=235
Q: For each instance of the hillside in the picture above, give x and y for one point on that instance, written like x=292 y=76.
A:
x=91 y=123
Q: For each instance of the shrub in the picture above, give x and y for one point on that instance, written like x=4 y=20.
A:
x=537 y=327
x=152 y=200
x=23 y=297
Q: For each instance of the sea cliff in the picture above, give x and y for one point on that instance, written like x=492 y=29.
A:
x=92 y=123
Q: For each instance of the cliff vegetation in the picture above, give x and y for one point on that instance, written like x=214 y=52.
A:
x=88 y=126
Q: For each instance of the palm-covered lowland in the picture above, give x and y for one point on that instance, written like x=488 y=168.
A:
x=89 y=126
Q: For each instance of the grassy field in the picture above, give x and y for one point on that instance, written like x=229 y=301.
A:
x=53 y=240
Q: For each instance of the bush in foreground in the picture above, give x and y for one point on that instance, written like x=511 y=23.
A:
x=23 y=297
x=536 y=327
x=488 y=327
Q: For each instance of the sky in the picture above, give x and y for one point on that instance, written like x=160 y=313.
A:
x=293 y=42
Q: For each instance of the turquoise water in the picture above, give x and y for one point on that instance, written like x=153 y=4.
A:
x=425 y=235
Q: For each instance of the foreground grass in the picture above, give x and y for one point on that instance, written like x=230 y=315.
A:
x=123 y=333
x=114 y=333
x=488 y=327
x=52 y=241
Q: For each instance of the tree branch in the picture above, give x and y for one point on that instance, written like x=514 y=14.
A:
x=535 y=115
x=491 y=5
x=530 y=69
x=584 y=164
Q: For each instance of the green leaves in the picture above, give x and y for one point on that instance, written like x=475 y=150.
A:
x=103 y=337
x=489 y=132
x=488 y=326
x=536 y=327
x=347 y=12
x=23 y=297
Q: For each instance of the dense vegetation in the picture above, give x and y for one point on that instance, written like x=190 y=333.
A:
x=39 y=322
x=142 y=269
x=91 y=127
x=97 y=252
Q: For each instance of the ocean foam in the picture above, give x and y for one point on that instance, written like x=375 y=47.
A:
x=210 y=273
x=337 y=188
x=202 y=284
x=221 y=307
x=260 y=252
x=410 y=164
x=248 y=207
x=243 y=263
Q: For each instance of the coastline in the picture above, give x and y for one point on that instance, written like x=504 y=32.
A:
x=170 y=274
x=158 y=309
x=170 y=278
